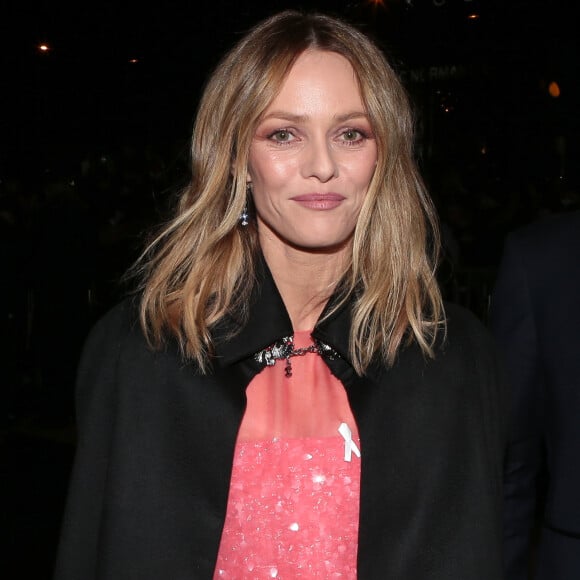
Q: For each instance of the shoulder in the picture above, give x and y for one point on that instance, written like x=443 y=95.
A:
x=464 y=328
x=118 y=322
x=116 y=331
x=467 y=349
x=462 y=319
x=464 y=349
x=546 y=234
x=461 y=340
x=546 y=252
x=117 y=358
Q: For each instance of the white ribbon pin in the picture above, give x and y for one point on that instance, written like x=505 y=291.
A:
x=349 y=445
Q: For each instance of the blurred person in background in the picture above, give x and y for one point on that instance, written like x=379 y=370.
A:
x=535 y=317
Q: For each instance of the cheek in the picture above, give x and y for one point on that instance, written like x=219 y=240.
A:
x=366 y=173
x=269 y=173
x=360 y=169
x=259 y=168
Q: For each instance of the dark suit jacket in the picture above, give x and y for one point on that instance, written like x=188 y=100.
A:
x=156 y=440
x=536 y=320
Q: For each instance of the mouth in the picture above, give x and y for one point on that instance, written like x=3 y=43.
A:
x=319 y=201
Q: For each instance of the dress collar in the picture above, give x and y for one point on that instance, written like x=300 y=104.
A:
x=268 y=322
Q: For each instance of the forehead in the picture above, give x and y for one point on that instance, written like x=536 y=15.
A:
x=319 y=77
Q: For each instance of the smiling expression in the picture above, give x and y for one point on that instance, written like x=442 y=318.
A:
x=312 y=157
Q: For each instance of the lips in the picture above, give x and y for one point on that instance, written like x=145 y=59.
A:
x=319 y=201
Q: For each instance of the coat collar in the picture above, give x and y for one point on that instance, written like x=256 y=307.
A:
x=268 y=322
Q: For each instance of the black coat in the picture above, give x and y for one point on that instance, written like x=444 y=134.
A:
x=156 y=441
x=536 y=320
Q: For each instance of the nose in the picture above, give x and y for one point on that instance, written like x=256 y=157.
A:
x=319 y=161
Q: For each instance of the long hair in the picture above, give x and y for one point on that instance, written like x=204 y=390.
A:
x=195 y=271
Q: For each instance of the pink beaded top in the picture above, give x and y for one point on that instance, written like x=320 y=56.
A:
x=293 y=505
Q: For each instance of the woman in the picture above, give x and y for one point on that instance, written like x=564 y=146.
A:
x=286 y=398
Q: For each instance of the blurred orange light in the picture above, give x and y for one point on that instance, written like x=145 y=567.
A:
x=43 y=47
x=133 y=60
x=554 y=89
x=473 y=16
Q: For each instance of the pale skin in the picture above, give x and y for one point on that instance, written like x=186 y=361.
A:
x=311 y=161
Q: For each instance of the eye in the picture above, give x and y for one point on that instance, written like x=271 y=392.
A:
x=281 y=136
x=353 y=136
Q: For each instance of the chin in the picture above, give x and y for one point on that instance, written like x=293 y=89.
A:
x=321 y=246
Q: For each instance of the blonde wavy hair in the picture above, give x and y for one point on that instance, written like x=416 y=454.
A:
x=195 y=270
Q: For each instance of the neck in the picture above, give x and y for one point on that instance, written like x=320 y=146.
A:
x=304 y=279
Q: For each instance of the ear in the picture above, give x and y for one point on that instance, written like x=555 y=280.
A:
x=233 y=172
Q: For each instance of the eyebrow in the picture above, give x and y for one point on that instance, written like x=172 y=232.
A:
x=286 y=116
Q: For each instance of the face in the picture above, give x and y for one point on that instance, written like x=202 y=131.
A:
x=312 y=157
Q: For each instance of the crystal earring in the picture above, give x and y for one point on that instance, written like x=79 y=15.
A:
x=244 y=216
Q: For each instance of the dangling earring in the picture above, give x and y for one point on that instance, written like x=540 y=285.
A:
x=245 y=215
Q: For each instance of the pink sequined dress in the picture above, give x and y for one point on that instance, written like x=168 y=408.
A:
x=293 y=505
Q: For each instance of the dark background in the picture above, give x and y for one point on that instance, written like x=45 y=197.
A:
x=94 y=145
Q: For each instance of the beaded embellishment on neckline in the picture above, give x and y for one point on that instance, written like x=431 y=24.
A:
x=283 y=349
